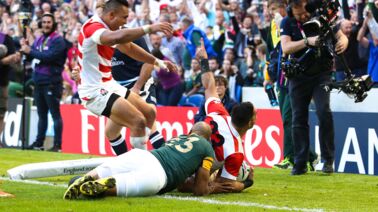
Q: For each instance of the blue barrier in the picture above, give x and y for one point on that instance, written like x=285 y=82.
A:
x=356 y=141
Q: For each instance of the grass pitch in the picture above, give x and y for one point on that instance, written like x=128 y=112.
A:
x=273 y=190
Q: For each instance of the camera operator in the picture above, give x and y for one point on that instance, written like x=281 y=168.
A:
x=48 y=54
x=303 y=88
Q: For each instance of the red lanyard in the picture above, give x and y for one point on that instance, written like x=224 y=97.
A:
x=300 y=28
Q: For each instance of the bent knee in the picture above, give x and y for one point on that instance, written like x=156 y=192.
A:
x=139 y=123
x=151 y=113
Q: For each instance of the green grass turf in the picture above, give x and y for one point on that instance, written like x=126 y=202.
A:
x=337 y=192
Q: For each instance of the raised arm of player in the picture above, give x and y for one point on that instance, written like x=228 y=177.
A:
x=207 y=76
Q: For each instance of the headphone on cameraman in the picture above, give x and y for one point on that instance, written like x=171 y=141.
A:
x=310 y=6
x=289 y=12
x=55 y=25
x=289 y=9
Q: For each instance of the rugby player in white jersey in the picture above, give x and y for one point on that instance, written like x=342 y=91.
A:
x=227 y=130
x=99 y=92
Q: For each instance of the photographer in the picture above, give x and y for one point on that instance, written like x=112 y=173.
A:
x=307 y=86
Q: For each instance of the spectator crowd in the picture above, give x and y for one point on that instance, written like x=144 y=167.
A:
x=235 y=33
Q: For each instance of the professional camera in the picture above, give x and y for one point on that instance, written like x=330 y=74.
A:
x=296 y=66
x=25 y=12
x=324 y=17
x=324 y=13
x=291 y=67
x=355 y=87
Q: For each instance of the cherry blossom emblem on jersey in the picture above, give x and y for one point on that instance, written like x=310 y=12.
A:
x=103 y=92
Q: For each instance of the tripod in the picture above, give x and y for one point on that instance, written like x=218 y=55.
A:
x=25 y=22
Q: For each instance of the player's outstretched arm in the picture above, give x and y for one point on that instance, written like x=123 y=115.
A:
x=201 y=182
x=197 y=184
x=137 y=53
x=207 y=77
x=110 y=38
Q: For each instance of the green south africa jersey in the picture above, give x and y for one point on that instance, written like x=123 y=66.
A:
x=181 y=158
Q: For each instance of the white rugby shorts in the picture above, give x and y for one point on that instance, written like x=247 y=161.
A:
x=137 y=173
x=95 y=98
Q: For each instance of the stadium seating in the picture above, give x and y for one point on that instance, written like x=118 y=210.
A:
x=196 y=99
x=182 y=101
x=238 y=93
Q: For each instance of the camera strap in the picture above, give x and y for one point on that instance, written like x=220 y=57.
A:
x=300 y=28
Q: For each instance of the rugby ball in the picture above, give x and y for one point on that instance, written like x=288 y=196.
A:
x=243 y=172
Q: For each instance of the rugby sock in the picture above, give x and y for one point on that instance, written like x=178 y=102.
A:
x=148 y=130
x=156 y=139
x=119 y=145
x=139 y=142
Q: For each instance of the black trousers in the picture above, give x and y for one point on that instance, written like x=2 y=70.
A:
x=301 y=90
x=47 y=98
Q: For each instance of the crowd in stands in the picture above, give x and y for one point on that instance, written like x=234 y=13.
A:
x=234 y=33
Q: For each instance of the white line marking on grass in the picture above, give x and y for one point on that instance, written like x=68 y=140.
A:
x=245 y=204
x=34 y=182
x=195 y=199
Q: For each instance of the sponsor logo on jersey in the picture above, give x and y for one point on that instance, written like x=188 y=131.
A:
x=103 y=92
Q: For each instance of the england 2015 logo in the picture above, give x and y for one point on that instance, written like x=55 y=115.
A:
x=103 y=92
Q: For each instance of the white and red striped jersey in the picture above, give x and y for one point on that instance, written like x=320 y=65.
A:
x=94 y=58
x=226 y=141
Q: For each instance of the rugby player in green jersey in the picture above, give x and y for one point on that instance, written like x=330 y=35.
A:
x=144 y=173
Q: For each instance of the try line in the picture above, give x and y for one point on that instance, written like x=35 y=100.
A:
x=194 y=199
